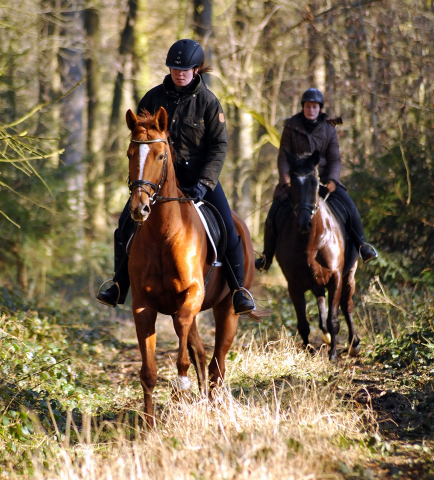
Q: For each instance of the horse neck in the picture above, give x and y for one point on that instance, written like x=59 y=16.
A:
x=164 y=214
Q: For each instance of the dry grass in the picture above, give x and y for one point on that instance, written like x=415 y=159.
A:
x=283 y=414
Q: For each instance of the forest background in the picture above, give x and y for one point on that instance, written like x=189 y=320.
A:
x=71 y=69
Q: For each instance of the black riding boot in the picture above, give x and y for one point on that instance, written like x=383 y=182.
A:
x=270 y=239
x=117 y=293
x=366 y=251
x=234 y=264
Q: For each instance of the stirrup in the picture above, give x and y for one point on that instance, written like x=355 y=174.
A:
x=99 y=291
x=251 y=298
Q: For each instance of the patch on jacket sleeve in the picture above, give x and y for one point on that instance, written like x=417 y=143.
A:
x=222 y=117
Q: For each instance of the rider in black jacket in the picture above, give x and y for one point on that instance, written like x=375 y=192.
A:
x=198 y=136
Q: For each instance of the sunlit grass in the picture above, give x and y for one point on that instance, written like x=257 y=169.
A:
x=282 y=414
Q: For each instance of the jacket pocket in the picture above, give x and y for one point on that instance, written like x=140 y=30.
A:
x=193 y=130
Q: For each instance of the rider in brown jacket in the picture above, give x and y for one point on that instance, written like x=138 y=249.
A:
x=305 y=132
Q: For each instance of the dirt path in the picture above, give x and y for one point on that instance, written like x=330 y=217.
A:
x=402 y=401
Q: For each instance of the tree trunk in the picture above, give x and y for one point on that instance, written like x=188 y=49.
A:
x=95 y=173
x=126 y=48
x=202 y=26
x=71 y=68
x=315 y=65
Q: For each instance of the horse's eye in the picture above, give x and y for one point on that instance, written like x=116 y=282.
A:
x=160 y=157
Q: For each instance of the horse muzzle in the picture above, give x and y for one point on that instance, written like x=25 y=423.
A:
x=140 y=213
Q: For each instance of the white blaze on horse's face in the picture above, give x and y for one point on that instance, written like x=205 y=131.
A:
x=143 y=153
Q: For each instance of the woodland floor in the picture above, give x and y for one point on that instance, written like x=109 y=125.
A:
x=403 y=402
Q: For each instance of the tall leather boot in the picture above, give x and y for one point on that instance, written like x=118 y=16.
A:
x=366 y=251
x=234 y=264
x=117 y=293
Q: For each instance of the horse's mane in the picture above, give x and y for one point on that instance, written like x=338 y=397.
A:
x=146 y=119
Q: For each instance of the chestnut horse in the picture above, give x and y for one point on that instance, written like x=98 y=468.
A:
x=311 y=253
x=169 y=260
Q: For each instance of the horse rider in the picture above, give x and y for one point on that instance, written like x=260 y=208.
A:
x=305 y=132
x=198 y=135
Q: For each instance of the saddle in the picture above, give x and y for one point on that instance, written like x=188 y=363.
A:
x=285 y=211
x=215 y=228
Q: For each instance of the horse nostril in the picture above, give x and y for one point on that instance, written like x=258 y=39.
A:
x=145 y=210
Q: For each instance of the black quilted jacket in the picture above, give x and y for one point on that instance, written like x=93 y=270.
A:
x=197 y=129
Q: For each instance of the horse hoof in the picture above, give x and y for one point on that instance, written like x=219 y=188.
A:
x=354 y=351
x=326 y=338
x=333 y=358
x=181 y=384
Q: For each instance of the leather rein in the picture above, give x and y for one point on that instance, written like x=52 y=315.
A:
x=144 y=184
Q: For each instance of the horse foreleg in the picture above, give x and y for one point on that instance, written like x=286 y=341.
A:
x=182 y=321
x=197 y=354
x=145 y=327
x=299 y=302
x=226 y=322
x=348 y=288
x=334 y=292
x=319 y=293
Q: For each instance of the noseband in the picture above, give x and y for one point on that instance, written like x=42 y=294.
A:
x=143 y=184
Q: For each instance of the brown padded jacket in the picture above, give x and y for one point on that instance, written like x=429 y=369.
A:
x=296 y=140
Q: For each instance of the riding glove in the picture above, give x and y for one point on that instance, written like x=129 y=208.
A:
x=196 y=191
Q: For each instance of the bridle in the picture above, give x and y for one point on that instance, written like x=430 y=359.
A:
x=312 y=209
x=143 y=184
x=156 y=187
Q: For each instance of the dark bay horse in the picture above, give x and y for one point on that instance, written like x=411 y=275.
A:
x=311 y=252
x=169 y=260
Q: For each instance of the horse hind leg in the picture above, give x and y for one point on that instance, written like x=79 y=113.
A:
x=348 y=288
x=226 y=322
x=334 y=297
x=299 y=302
x=197 y=355
x=322 y=313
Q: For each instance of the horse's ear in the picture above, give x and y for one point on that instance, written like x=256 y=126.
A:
x=315 y=158
x=132 y=120
x=161 y=119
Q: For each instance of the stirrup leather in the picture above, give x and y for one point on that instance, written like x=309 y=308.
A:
x=99 y=291
x=248 y=293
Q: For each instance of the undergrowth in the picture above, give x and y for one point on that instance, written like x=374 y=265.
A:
x=59 y=400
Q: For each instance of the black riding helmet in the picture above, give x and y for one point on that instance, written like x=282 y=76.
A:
x=312 y=95
x=185 y=54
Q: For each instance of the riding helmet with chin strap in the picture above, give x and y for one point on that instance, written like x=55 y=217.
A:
x=185 y=54
x=312 y=95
